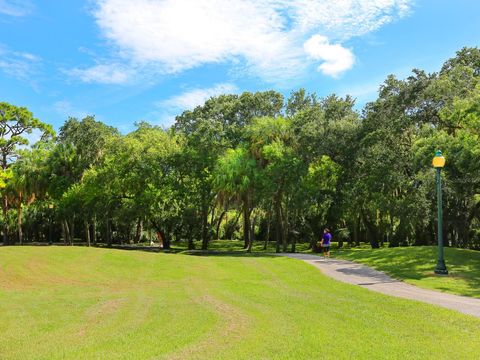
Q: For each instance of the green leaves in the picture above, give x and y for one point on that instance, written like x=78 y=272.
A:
x=235 y=172
x=296 y=165
x=15 y=123
x=323 y=175
x=5 y=176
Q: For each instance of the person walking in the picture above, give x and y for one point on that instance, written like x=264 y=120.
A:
x=325 y=243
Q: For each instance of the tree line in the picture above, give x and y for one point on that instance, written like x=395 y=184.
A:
x=256 y=166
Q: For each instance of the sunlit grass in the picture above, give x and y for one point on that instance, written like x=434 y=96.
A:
x=87 y=303
x=412 y=264
x=415 y=265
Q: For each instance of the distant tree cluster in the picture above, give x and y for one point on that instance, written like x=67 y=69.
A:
x=258 y=167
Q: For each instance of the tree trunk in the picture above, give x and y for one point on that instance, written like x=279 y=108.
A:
x=19 y=224
x=72 y=230
x=372 y=234
x=5 y=222
x=66 y=233
x=50 y=224
x=87 y=233
x=190 y=244
x=138 y=233
x=278 y=223
x=204 y=227
x=108 y=235
x=294 y=237
x=267 y=236
x=313 y=239
x=94 y=230
x=356 y=232
x=284 y=230
x=159 y=238
x=166 y=240
x=246 y=223
x=219 y=223
x=252 y=234
x=5 y=205
x=69 y=233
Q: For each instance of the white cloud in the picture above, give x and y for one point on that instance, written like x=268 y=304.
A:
x=188 y=100
x=15 y=8
x=20 y=65
x=66 y=110
x=103 y=73
x=336 y=59
x=344 y=19
x=195 y=97
x=265 y=37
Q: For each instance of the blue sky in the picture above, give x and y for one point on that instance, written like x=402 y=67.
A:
x=125 y=61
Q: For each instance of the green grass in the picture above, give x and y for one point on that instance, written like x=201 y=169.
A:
x=88 y=303
x=411 y=264
x=415 y=265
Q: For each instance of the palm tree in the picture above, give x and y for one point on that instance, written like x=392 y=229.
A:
x=27 y=183
x=235 y=176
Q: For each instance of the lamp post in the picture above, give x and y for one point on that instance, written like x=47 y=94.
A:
x=438 y=163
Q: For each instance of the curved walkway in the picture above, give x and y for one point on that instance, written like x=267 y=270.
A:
x=364 y=276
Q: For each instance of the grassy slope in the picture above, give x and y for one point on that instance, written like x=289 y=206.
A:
x=412 y=264
x=415 y=265
x=91 y=303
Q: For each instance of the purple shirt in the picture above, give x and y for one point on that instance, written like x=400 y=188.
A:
x=326 y=238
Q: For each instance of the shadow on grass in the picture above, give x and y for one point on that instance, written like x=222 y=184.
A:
x=232 y=248
x=237 y=253
x=155 y=249
x=418 y=263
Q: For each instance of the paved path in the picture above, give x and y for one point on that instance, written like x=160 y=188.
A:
x=364 y=276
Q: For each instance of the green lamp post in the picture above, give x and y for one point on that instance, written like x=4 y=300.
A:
x=438 y=163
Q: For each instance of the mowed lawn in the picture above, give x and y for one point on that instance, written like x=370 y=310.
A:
x=415 y=265
x=88 y=303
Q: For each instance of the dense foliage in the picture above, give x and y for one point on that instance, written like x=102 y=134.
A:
x=258 y=167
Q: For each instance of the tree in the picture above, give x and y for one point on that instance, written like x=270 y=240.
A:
x=237 y=175
x=88 y=138
x=208 y=131
x=270 y=140
x=15 y=124
x=28 y=181
x=294 y=167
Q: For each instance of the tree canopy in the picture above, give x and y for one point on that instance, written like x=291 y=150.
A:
x=257 y=166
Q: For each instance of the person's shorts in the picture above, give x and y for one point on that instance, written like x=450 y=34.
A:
x=326 y=248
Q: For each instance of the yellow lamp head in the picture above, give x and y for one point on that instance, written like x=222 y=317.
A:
x=438 y=160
